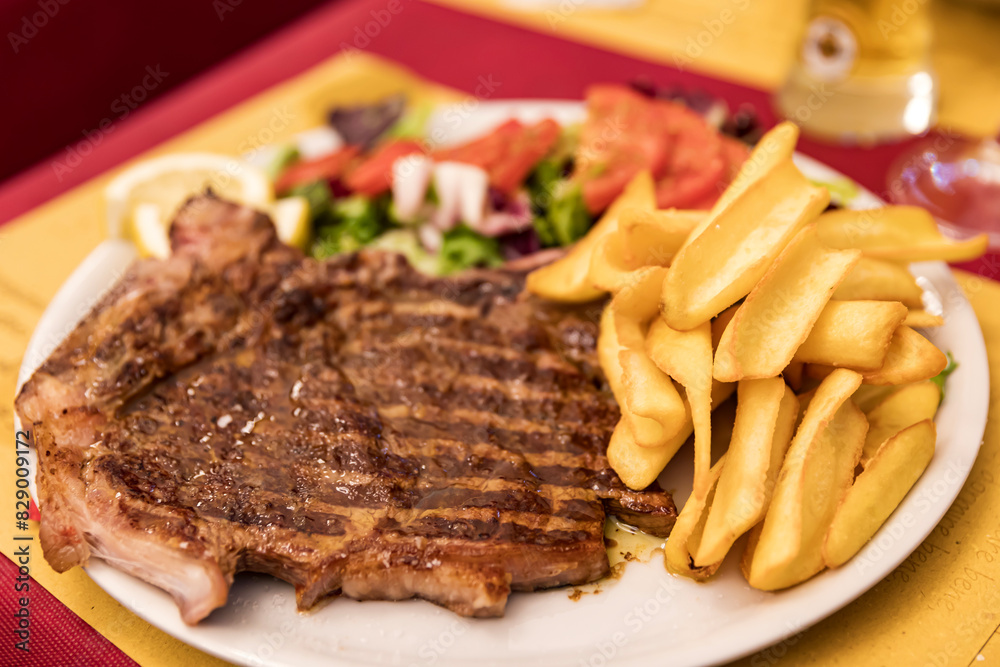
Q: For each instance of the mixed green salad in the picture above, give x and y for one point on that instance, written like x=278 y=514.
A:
x=519 y=188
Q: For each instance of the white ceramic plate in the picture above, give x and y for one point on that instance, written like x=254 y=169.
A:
x=646 y=617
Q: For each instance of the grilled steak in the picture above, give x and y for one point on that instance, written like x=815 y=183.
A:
x=349 y=426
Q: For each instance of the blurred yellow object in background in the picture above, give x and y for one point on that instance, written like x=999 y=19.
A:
x=753 y=42
x=863 y=71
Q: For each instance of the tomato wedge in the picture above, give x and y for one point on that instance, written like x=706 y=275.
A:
x=508 y=153
x=374 y=175
x=627 y=132
x=735 y=153
x=624 y=134
x=696 y=165
x=326 y=168
x=522 y=154
x=484 y=151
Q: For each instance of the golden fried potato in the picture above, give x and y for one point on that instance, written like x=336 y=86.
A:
x=868 y=396
x=852 y=334
x=902 y=408
x=644 y=238
x=774 y=148
x=686 y=356
x=608 y=270
x=739 y=241
x=910 y=358
x=817 y=471
x=635 y=305
x=567 y=279
x=878 y=490
x=766 y=412
x=608 y=348
x=654 y=237
x=918 y=318
x=639 y=466
x=779 y=312
x=652 y=407
x=900 y=233
x=685 y=538
x=646 y=395
x=880 y=280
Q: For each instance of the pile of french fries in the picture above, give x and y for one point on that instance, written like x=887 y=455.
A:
x=808 y=316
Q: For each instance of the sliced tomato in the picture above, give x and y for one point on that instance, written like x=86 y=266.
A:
x=373 y=175
x=627 y=132
x=326 y=168
x=522 y=154
x=624 y=133
x=696 y=166
x=734 y=153
x=485 y=151
x=508 y=153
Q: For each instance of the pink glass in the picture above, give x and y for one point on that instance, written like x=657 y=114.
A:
x=957 y=180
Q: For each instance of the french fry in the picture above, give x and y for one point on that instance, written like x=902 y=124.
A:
x=899 y=410
x=773 y=149
x=654 y=237
x=608 y=348
x=635 y=305
x=880 y=280
x=868 y=396
x=900 y=233
x=646 y=396
x=567 y=279
x=878 y=490
x=652 y=407
x=910 y=358
x=817 y=471
x=766 y=413
x=685 y=538
x=739 y=241
x=639 y=466
x=852 y=334
x=921 y=319
x=609 y=272
x=779 y=312
x=765 y=290
x=686 y=356
x=644 y=238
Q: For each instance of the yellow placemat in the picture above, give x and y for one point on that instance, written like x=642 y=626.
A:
x=753 y=42
x=942 y=601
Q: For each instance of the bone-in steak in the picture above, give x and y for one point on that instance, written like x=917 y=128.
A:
x=349 y=426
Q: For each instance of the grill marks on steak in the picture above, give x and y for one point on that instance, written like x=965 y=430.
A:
x=350 y=427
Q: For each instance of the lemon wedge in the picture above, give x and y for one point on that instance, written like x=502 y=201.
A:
x=167 y=182
x=291 y=220
x=148 y=230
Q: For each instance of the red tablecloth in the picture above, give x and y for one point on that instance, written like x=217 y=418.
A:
x=444 y=45
x=441 y=44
